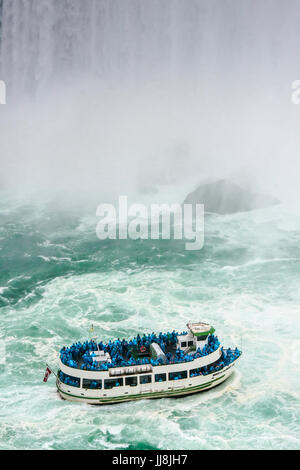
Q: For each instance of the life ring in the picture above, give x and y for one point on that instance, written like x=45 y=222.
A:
x=143 y=349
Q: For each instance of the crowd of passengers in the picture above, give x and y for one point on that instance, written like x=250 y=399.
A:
x=66 y=379
x=227 y=358
x=122 y=352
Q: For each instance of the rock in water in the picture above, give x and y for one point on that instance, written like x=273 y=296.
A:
x=225 y=197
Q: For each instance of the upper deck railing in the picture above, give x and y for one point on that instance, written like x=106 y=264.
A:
x=124 y=353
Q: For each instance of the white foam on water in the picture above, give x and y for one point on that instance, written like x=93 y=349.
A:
x=253 y=307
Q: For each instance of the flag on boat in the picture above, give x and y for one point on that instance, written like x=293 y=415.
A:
x=47 y=374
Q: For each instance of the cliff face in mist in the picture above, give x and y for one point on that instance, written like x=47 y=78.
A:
x=225 y=197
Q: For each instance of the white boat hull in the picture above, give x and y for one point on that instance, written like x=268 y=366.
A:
x=168 y=389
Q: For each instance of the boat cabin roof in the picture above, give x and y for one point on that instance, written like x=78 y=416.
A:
x=199 y=328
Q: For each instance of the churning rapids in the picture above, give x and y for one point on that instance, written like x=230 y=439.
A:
x=135 y=97
x=57 y=279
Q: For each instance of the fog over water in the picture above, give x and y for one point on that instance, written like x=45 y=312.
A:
x=106 y=95
x=147 y=99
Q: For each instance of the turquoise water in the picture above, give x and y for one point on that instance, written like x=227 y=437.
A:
x=57 y=278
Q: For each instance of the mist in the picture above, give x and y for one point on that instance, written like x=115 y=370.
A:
x=119 y=97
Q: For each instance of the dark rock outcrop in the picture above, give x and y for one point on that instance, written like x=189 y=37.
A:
x=225 y=197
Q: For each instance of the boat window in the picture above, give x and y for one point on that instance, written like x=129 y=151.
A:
x=191 y=343
x=145 y=379
x=69 y=380
x=111 y=383
x=160 y=377
x=183 y=344
x=195 y=372
x=132 y=381
x=178 y=375
x=94 y=384
x=202 y=338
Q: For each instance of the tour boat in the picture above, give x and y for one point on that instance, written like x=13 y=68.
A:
x=150 y=366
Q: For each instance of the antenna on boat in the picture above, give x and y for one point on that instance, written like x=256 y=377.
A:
x=94 y=338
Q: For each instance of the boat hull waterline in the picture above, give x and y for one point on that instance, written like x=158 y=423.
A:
x=190 y=387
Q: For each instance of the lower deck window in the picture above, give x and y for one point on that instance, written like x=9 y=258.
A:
x=160 y=377
x=69 y=380
x=131 y=381
x=195 y=372
x=93 y=384
x=178 y=375
x=183 y=344
x=111 y=383
x=191 y=343
x=146 y=379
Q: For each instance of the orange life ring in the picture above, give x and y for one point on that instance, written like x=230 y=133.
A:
x=143 y=349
